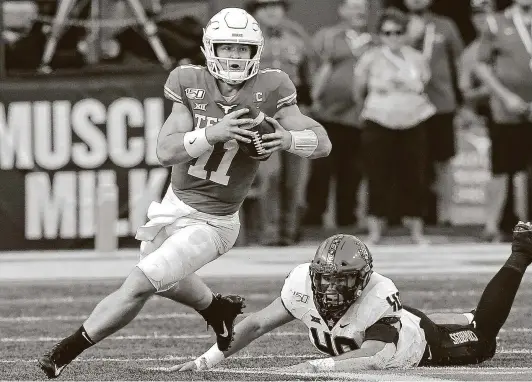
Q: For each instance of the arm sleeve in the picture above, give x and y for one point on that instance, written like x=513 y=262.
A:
x=172 y=87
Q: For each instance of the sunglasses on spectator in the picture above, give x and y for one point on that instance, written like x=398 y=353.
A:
x=393 y=32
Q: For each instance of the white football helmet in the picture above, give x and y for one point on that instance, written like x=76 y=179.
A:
x=232 y=26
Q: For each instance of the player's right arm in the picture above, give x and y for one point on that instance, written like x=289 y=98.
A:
x=178 y=142
x=249 y=329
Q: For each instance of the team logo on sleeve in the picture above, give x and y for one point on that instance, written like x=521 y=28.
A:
x=195 y=94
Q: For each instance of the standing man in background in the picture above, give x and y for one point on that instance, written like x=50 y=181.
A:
x=505 y=67
x=475 y=93
x=439 y=40
x=281 y=179
x=339 y=47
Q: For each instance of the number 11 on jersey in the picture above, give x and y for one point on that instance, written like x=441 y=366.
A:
x=220 y=175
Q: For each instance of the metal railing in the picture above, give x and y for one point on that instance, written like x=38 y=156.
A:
x=94 y=23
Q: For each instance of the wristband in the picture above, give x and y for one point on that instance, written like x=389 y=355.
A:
x=196 y=143
x=304 y=142
x=210 y=358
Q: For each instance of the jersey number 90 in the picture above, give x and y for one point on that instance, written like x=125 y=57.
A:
x=341 y=344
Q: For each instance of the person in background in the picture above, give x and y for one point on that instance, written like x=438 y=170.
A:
x=390 y=82
x=439 y=40
x=475 y=93
x=505 y=67
x=281 y=179
x=339 y=48
x=476 y=110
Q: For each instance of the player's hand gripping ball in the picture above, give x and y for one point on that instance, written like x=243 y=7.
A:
x=260 y=127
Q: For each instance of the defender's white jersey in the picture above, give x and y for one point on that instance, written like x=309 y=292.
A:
x=379 y=300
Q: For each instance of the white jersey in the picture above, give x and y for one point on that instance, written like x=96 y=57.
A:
x=379 y=300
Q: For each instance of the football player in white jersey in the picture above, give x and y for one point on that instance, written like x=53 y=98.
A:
x=355 y=316
x=197 y=220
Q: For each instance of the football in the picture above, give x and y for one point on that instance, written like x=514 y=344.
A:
x=254 y=149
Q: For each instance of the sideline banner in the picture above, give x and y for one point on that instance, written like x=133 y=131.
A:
x=59 y=139
x=471 y=169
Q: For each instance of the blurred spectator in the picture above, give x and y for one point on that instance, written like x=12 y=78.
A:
x=390 y=81
x=475 y=93
x=505 y=67
x=440 y=41
x=281 y=178
x=18 y=19
x=339 y=47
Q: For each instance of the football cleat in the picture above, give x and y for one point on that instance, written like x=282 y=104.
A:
x=50 y=362
x=223 y=319
x=522 y=238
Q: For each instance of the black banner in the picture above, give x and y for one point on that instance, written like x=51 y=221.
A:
x=59 y=139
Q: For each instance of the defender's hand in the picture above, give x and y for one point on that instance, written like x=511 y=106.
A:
x=304 y=367
x=281 y=139
x=230 y=127
x=186 y=366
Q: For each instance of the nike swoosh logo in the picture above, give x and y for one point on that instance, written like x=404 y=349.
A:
x=192 y=141
x=343 y=326
x=58 y=370
x=85 y=336
x=226 y=332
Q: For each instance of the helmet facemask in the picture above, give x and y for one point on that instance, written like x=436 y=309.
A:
x=220 y=68
x=335 y=292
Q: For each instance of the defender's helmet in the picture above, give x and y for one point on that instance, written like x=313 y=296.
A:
x=232 y=26
x=340 y=270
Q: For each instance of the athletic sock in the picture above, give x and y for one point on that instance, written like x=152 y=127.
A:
x=72 y=346
x=497 y=300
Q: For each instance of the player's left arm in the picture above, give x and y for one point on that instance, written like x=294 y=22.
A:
x=294 y=131
x=298 y=134
x=376 y=351
x=246 y=331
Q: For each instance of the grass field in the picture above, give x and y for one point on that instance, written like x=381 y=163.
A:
x=34 y=315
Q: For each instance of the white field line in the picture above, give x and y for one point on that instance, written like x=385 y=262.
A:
x=168 y=358
x=250 y=297
x=171 y=358
x=415 y=374
x=162 y=336
x=193 y=316
x=97 y=298
x=387 y=375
